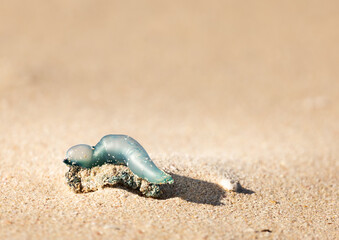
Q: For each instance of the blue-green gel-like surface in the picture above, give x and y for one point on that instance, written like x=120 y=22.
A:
x=118 y=149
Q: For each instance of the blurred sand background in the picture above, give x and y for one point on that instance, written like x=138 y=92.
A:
x=251 y=87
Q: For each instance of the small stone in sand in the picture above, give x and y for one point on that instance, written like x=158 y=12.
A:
x=230 y=184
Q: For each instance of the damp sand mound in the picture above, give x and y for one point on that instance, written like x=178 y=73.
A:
x=83 y=180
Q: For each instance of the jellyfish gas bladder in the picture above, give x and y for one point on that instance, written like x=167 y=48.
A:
x=118 y=150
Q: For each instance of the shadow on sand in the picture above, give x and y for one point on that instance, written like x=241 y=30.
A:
x=197 y=191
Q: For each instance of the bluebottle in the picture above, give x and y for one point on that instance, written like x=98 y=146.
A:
x=118 y=150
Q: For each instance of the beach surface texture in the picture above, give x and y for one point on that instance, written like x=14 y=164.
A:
x=217 y=92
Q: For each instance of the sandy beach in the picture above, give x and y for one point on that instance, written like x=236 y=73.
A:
x=245 y=89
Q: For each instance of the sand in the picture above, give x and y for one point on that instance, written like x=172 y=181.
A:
x=248 y=88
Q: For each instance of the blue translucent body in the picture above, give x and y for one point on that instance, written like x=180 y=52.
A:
x=118 y=149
